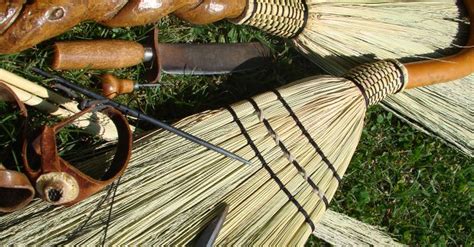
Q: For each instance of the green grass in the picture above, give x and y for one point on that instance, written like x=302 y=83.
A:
x=413 y=185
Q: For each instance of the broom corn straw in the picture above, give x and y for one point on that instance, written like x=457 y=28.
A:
x=303 y=135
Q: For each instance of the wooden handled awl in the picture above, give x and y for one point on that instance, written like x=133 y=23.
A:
x=113 y=86
x=197 y=59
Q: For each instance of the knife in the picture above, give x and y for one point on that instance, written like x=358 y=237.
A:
x=196 y=59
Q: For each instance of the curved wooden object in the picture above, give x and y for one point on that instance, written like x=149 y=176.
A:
x=16 y=190
x=59 y=182
x=97 y=54
x=446 y=69
x=210 y=11
x=141 y=12
x=9 y=11
x=42 y=20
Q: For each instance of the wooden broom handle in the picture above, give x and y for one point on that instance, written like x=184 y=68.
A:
x=141 y=12
x=210 y=11
x=446 y=69
x=41 y=20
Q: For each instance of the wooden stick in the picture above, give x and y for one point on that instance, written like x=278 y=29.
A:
x=104 y=130
x=40 y=97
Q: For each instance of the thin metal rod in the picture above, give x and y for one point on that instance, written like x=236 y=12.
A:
x=141 y=116
x=147 y=85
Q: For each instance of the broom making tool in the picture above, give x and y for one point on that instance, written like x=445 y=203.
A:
x=139 y=115
x=113 y=86
x=197 y=59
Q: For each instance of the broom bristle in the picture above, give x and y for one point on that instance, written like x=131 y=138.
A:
x=300 y=140
x=339 y=35
x=343 y=34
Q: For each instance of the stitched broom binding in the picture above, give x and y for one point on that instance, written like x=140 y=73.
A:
x=379 y=80
x=285 y=18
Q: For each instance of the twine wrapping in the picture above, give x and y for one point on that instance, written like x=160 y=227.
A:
x=285 y=18
x=379 y=80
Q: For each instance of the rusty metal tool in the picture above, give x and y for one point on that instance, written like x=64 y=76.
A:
x=197 y=59
x=139 y=115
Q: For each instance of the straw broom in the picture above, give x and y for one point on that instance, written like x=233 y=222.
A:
x=335 y=228
x=338 y=35
x=170 y=188
x=300 y=139
x=275 y=130
x=347 y=34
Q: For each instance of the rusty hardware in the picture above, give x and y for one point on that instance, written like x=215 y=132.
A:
x=55 y=179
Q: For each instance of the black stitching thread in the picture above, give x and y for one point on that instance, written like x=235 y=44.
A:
x=361 y=88
x=287 y=152
x=305 y=20
x=308 y=136
x=270 y=171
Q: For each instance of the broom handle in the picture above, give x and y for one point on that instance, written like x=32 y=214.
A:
x=425 y=73
x=41 y=20
x=142 y=12
x=210 y=11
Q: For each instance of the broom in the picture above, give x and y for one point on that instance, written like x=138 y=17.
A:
x=171 y=187
x=300 y=139
x=334 y=228
x=348 y=34
x=336 y=35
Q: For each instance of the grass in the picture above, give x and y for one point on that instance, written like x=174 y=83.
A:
x=413 y=185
